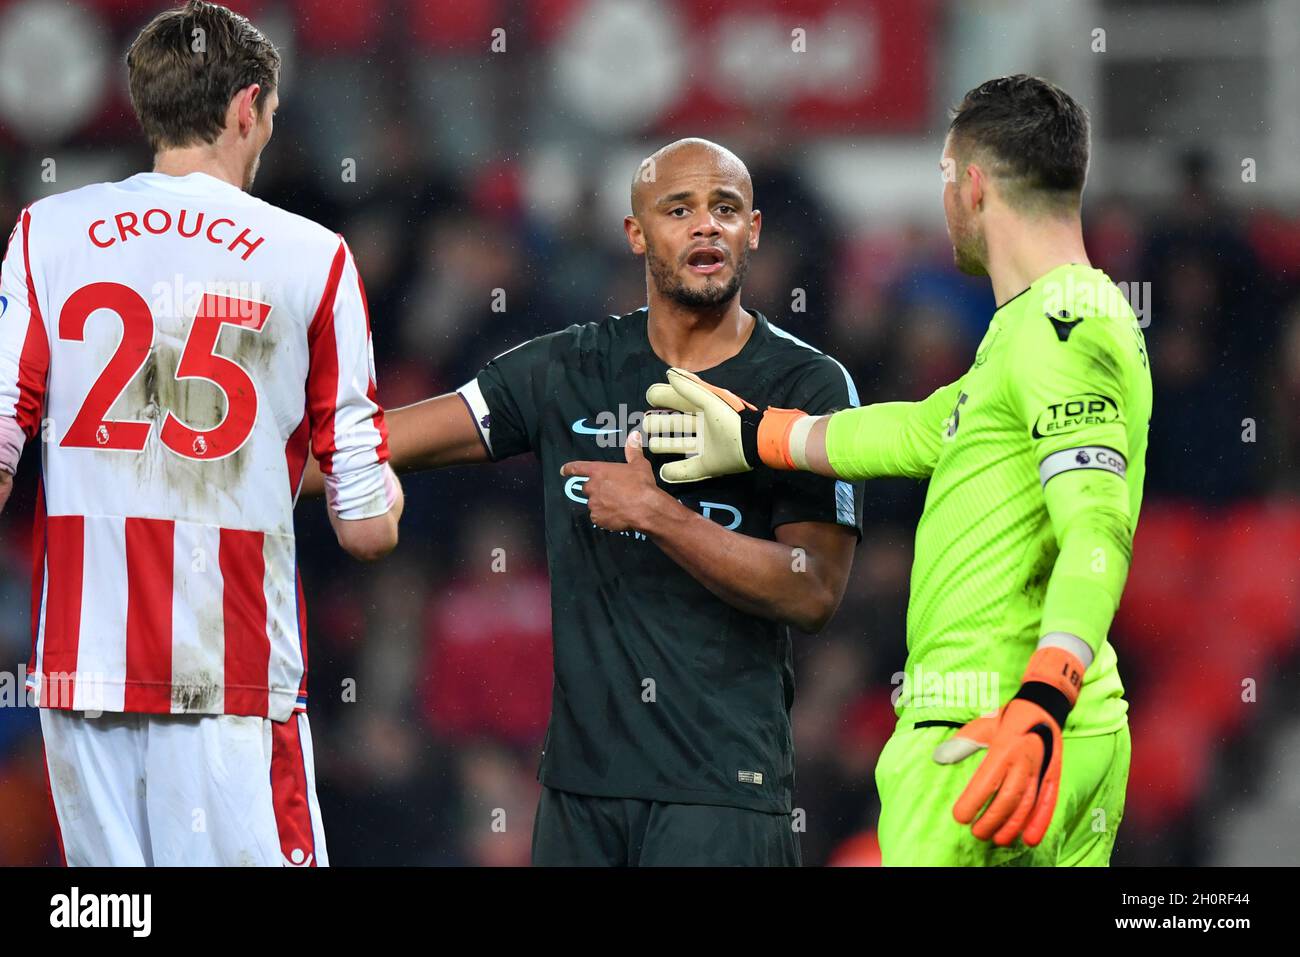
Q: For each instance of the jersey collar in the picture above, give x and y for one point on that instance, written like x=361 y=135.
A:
x=1054 y=269
x=191 y=184
x=751 y=344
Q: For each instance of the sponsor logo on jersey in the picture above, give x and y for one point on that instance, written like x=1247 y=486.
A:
x=707 y=509
x=1074 y=412
x=4 y=305
x=728 y=516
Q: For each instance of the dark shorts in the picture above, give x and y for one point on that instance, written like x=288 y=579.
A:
x=577 y=830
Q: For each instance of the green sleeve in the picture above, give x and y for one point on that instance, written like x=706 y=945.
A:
x=890 y=438
x=1070 y=391
x=1090 y=516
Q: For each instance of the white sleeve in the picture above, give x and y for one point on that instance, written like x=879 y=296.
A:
x=348 y=434
x=24 y=345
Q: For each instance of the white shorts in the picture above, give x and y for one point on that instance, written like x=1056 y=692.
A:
x=183 y=790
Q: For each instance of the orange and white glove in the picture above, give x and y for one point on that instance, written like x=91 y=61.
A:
x=719 y=432
x=1017 y=783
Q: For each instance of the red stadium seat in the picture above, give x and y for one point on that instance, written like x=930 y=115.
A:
x=1172 y=745
x=1160 y=605
x=1209 y=680
x=1210 y=603
x=1256 y=580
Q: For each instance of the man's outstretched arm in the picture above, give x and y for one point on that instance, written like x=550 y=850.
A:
x=431 y=434
x=722 y=434
x=489 y=418
x=882 y=440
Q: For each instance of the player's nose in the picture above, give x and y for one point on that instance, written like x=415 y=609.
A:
x=705 y=226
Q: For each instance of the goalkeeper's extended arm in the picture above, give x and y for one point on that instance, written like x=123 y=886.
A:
x=722 y=434
x=886 y=439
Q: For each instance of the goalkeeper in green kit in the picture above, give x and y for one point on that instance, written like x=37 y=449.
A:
x=1035 y=459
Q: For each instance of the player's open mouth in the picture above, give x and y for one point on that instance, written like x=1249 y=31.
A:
x=707 y=261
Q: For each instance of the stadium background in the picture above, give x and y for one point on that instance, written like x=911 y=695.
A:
x=481 y=169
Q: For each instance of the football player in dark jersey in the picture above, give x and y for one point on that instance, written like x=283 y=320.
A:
x=669 y=741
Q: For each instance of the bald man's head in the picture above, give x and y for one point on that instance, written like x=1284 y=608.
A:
x=687 y=155
x=693 y=218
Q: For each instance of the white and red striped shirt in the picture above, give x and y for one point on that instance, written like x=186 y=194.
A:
x=177 y=345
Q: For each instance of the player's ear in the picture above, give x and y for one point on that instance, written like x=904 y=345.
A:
x=755 y=227
x=245 y=105
x=977 y=185
x=635 y=237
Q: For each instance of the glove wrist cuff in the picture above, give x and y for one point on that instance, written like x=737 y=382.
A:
x=773 y=444
x=1059 y=668
x=1052 y=681
x=1046 y=697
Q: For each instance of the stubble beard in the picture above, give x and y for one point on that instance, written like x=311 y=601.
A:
x=970 y=251
x=250 y=173
x=711 y=296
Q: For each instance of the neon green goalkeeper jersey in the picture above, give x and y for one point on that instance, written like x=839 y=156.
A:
x=1059 y=384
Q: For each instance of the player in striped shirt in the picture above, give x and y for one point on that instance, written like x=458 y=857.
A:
x=178 y=347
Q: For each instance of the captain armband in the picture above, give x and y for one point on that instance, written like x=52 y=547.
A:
x=1085 y=457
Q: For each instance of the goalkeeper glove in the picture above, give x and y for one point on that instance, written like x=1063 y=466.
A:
x=1021 y=774
x=719 y=432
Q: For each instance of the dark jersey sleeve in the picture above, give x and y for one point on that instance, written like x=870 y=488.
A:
x=804 y=496
x=506 y=396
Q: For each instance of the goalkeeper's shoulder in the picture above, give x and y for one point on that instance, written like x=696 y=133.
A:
x=1087 y=312
x=1093 y=339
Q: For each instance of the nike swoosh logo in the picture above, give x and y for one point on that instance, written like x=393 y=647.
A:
x=582 y=428
x=4 y=306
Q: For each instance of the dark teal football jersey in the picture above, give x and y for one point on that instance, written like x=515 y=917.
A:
x=662 y=690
